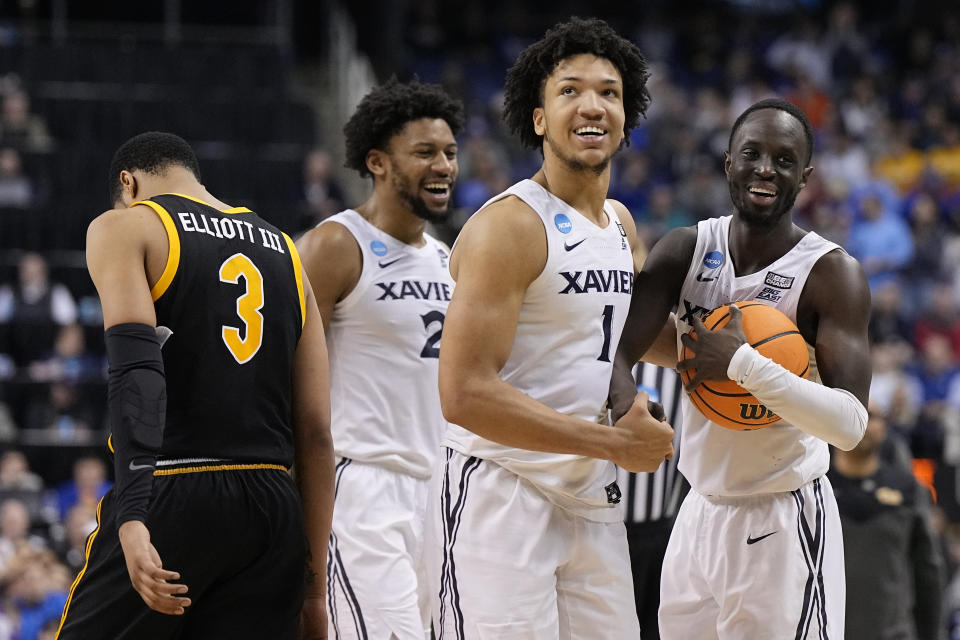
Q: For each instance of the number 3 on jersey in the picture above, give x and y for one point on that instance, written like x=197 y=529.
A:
x=248 y=307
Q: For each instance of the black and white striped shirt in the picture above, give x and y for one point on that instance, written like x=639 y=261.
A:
x=655 y=496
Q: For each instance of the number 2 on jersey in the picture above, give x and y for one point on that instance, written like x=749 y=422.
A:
x=430 y=348
x=248 y=307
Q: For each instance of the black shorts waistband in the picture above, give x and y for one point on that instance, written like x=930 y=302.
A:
x=177 y=466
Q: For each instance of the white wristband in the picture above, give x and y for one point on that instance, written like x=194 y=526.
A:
x=834 y=415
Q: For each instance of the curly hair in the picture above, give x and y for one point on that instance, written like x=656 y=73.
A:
x=523 y=90
x=782 y=105
x=151 y=152
x=384 y=111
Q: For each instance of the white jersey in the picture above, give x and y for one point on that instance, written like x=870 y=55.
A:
x=567 y=334
x=384 y=344
x=724 y=462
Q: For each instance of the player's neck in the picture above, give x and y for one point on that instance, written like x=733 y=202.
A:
x=754 y=247
x=582 y=189
x=855 y=465
x=182 y=182
x=393 y=218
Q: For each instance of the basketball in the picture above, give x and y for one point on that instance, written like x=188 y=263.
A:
x=771 y=333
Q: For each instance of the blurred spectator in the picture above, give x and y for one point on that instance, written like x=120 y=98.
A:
x=861 y=110
x=15 y=535
x=800 y=48
x=17 y=190
x=37 y=585
x=847 y=48
x=894 y=567
x=936 y=374
x=80 y=522
x=66 y=413
x=842 y=159
x=879 y=238
x=939 y=318
x=321 y=195
x=21 y=128
x=88 y=485
x=900 y=163
x=70 y=360
x=482 y=174
x=895 y=394
x=18 y=481
x=34 y=308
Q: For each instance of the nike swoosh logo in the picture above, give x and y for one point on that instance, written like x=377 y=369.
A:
x=138 y=467
x=571 y=247
x=751 y=540
x=700 y=278
x=387 y=264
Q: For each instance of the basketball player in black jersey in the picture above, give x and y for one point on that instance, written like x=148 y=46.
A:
x=204 y=534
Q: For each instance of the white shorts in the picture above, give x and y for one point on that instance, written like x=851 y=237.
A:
x=761 y=567
x=376 y=582
x=507 y=564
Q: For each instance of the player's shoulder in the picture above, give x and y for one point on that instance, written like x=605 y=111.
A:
x=510 y=216
x=837 y=269
x=125 y=223
x=329 y=241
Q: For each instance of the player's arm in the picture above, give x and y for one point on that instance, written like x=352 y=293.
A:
x=314 y=461
x=499 y=253
x=333 y=262
x=837 y=296
x=119 y=244
x=649 y=333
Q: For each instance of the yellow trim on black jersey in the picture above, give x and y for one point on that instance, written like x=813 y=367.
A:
x=230 y=210
x=219 y=467
x=110 y=443
x=173 y=254
x=298 y=271
x=76 y=581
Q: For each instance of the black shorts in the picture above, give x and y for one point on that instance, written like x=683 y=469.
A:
x=235 y=536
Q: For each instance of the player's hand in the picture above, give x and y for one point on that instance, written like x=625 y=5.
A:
x=313 y=618
x=646 y=441
x=147 y=574
x=712 y=350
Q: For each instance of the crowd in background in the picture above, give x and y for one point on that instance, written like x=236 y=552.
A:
x=883 y=95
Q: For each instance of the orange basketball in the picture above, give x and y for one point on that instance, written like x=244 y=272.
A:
x=771 y=333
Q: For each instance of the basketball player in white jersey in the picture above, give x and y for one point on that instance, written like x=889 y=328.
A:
x=530 y=538
x=757 y=551
x=382 y=286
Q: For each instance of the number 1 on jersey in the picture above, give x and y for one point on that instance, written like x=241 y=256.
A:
x=248 y=307
x=607 y=326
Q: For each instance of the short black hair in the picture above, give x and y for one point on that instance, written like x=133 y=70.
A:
x=523 y=90
x=782 y=105
x=151 y=152
x=384 y=112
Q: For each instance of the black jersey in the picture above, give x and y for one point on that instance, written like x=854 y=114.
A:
x=232 y=294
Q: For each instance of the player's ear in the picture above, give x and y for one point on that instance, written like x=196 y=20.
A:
x=376 y=162
x=538 y=121
x=128 y=188
x=727 y=162
x=804 y=176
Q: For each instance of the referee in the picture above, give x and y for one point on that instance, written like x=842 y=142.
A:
x=652 y=499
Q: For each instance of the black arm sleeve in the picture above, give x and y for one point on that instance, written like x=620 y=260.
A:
x=136 y=403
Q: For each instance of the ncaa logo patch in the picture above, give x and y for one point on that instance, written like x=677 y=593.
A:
x=562 y=223
x=378 y=248
x=713 y=260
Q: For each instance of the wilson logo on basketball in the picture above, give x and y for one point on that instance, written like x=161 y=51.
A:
x=756 y=412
